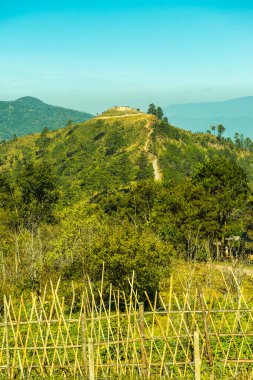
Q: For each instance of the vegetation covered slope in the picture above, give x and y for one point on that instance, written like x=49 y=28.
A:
x=111 y=151
x=28 y=115
x=90 y=157
x=87 y=194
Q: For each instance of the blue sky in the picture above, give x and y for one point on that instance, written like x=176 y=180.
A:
x=90 y=55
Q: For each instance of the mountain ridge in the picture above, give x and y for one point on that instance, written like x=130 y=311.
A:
x=108 y=153
x=30 y=115
x=235 y=114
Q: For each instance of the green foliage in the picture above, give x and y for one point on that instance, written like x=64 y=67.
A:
x=145 y=171
x=152 y=109
x=29 y=115
x=44 y=131
x=114 y=141
x=222 y=188
x=156 y=111
x=38 y=193
x=91 y=242
x=97 y=203
x=159 y=113
x=6 y=192
x=118 y=111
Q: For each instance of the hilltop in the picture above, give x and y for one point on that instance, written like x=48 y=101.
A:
x=101 y=153
x=236 y=115
x=29 y=115
x=116 y=148
x=120 y=111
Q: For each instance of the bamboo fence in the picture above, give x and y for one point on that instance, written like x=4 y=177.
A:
x=114 y=336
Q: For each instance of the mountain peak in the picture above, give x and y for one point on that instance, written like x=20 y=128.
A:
x=29 y=100
x=29 y=115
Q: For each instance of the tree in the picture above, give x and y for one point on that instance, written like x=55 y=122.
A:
x=44 y=132
x=219 y=193
x=69 y=122
x=90 y=238
x=159 y=113
x=38 y=194
x=242 y=141
x=6 y=192
x=237 y=140
x=156 y=111
x=248 y=144
x=213 y=128
x=145 y=171
x=220 y=130
x=152 y=109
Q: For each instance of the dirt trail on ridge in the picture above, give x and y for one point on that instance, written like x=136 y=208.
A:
x=119 y=116
x=152 y=157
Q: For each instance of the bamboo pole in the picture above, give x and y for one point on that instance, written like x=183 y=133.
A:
x=142 y=337
x=208 y=345
x=84 y=328
x=196 y=355
x=37 y=336
x=91 y=359
x=7 y=339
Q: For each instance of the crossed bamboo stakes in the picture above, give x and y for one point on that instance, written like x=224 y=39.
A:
x=107 y=333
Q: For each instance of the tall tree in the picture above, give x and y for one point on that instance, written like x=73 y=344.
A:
x=152 y=109
x=220 y=129
x=220 y=190
x=159 y=113
x=237 y=140
x=38 y=193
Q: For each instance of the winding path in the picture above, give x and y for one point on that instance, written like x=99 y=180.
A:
x=152 y=157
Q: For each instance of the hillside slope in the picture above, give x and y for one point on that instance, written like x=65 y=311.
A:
x=29 y=115
x=109 y=152
x=116 y=192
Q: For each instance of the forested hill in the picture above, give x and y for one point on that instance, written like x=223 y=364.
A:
x=28 y=115
x=116 y=149
x=125 y=189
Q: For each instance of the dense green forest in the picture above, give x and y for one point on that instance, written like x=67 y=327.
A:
x=29 y=115
x=85 y=196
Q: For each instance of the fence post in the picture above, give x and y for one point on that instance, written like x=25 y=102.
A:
x=141 y=318
x=91 y=359
x=142 y=336
x=196 y=355
x=208 y=344
x=84 y=327
x=7 y=338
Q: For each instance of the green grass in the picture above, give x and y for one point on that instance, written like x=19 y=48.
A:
x=116 y=112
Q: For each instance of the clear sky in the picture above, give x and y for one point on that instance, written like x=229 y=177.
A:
x=91 y=55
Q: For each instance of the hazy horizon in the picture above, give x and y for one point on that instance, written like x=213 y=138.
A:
x=89 y=56
x=132 y=105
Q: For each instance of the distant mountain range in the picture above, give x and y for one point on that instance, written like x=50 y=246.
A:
x=29 y=115
x=236 y=115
